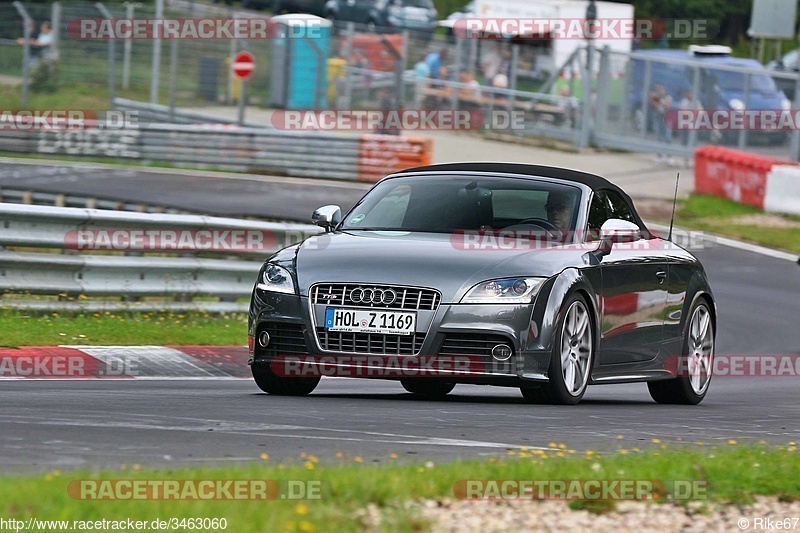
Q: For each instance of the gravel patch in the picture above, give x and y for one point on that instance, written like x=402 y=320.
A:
x=457 y=516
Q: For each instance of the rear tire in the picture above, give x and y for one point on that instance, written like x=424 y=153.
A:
x=428 y=389
x=697 y=362
x=281 y=386
x=572 y=357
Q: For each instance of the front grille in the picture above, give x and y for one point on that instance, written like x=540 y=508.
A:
x=413 y=298
x=369 y=343
x=472 y=344
x=284 y=339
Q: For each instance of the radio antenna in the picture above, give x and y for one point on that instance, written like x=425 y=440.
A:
x=674 y=201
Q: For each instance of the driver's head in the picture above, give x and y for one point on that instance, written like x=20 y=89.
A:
x=559 y=209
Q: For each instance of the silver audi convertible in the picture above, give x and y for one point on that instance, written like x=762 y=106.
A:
x=513 y=275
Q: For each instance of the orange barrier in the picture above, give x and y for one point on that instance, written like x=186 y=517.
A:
x=379 y=155
x=731 y=174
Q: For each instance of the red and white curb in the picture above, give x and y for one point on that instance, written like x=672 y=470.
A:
x=124 y=362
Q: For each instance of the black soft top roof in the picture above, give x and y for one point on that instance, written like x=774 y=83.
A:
x=593 y=181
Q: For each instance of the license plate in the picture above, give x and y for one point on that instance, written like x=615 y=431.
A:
x=367 y=321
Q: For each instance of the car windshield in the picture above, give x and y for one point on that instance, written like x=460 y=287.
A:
x=444 y=204
x=734 y=81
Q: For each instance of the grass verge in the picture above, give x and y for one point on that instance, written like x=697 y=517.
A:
x=729 y=218
x=732 y=473
x=20 y=328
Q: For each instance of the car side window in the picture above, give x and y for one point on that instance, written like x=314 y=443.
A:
x=598 y=214
x=619 y=207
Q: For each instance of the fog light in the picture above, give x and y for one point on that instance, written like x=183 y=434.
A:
x=263 y=339
x=502 y=352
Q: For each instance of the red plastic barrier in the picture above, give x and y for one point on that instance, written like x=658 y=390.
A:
x=731 y=174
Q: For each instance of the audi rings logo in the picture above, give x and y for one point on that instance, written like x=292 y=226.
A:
x=373 y=296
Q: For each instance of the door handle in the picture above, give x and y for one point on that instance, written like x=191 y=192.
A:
x=661 y=275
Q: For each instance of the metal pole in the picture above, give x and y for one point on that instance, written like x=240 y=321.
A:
x=55 y=27
x=173 y=77
x=402 y=65
x=794 y=145
x=603 y=80
x=348 y=47
x=156 y=66
x=743 y=132
x=586 y=119
x=242 y=92
x=26 y=51
x=126 y=55
x=111 y=58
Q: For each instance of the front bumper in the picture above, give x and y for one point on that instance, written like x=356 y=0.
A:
x=452 y=343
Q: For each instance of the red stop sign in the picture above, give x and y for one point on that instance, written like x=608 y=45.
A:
x=243 y=65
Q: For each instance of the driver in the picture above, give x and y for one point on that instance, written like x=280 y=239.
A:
x=559 y=210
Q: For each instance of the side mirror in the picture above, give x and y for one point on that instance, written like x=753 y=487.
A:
x=616 y=230
x=327 y=217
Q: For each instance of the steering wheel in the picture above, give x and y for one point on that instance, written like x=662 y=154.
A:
x=543 y=222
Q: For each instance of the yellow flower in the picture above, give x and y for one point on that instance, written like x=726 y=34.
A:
x=136 y=467
x=562 y=446
x=339 y=455
x=308 y=527
x=313 y=459
x=619 y=437
x=589 y=452
x=309 y=465
x=357 y=459
x=731 y=441
x=393 y=456
x=264 y=457
x=301 y=509
x=656 y=441
x=421 y=469
x=551 y=445
x=560 y=454
x=623 y=452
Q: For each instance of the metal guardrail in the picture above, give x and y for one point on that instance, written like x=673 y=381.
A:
x=133 y=277
x=365 y=157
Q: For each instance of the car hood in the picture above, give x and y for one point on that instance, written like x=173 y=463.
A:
x=423 y=260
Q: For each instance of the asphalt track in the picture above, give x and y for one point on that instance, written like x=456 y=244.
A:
x=73 y=424
x=87 y=423
x=210 y=193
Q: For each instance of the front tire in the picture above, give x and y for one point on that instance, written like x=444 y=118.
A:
x=697 y=362
x=282 y=386
x=429 y=389
x=571 y=360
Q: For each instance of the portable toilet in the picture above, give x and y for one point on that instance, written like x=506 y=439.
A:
x=298 y=71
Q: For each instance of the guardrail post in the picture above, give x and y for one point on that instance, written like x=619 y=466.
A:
x=27 y=21
x=173 y=77
x=111 y=56
x=126 y=56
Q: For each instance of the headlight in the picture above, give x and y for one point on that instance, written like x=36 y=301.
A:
x=503 y=291
x=736 y=104
x=786 y=104
x=276 y=279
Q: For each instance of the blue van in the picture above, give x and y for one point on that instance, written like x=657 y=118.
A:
x=717 y=89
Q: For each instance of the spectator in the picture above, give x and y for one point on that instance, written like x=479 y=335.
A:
x=660 y=103
x=435 y=61
x=569 y=105
x=688 y=102
x=40 y=44
x=469 y=94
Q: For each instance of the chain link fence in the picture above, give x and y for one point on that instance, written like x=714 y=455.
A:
x=599 y=97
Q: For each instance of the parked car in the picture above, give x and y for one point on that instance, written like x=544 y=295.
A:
x=719 y=89
x=417 y=276
x=377 y=15
x=789 y=63
x=315 y=7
